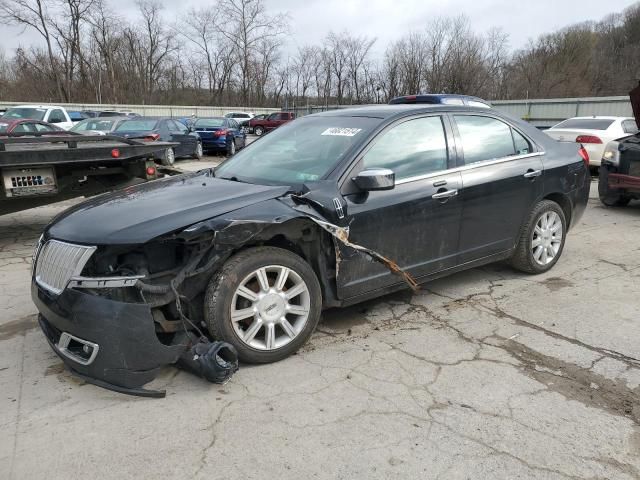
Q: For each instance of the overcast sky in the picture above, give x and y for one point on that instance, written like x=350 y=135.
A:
x=387 y=20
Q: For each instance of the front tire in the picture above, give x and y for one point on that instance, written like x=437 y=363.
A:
x=258 y=131
x=541 y=239
x=265 y=301
x=610 y=197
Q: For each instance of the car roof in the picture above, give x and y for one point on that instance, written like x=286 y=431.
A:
x=387 y=111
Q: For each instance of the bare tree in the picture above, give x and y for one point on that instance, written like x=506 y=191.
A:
x=247 y=26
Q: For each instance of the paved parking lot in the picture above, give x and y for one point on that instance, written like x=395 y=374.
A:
x=488 y=374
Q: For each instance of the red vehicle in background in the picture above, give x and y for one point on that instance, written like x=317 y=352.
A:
x=27 y=126
x=262 y=125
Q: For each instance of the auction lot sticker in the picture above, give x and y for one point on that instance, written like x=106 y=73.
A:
x=341 y=132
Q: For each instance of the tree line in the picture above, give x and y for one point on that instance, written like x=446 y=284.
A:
x=235 y=52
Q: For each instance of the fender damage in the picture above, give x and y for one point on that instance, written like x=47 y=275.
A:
x=158 y=319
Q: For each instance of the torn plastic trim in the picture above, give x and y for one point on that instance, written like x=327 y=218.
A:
x=104 y=282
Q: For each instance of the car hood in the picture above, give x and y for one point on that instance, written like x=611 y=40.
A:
x=138 y=214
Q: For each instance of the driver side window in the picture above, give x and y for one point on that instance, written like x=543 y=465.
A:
x=413 y=148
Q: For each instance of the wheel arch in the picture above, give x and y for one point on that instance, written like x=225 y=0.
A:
x=565 y=203
x=307 y=240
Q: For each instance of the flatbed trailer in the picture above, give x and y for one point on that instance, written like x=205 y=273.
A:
x=37 y=170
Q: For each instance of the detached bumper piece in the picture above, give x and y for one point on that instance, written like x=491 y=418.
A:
x=108 y=343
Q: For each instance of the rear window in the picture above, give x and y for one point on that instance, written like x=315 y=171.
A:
x=94 y=124
x=30 y=113
x=209 y=122
x=137 y=125
x=585 y=123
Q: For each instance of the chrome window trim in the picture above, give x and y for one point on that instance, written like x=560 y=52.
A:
x=471 y=166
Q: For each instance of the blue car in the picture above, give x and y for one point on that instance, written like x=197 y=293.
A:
x=441 y=98
x=220 y=134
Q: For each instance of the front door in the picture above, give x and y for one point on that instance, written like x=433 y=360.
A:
x=501 y=182
x=416 y=224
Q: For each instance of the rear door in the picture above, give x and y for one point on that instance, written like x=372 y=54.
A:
x=180 y=133
x=502 y=174
x=417 y=223
x=237 y=132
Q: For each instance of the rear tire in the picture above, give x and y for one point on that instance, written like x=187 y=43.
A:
x=231 y=148
x=199 y=153
x=258 y=131
x=539 y=248
x=168 y=158
x=268 y=325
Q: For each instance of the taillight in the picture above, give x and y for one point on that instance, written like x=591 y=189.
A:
x=584 y=154
x=220 y=133
x=151 y=171
x=115 y=153
x=151 y=137
x=587 y=139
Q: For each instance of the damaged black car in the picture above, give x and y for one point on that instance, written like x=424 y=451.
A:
x=327 y=211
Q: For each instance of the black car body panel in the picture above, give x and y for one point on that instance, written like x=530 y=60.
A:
x=155 y=209
x=360 y=244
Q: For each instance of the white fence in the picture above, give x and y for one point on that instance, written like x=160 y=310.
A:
x=155 y=110
x=547 y=112
x=539 y=112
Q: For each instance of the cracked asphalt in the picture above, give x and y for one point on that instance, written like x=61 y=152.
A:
x=485 y=374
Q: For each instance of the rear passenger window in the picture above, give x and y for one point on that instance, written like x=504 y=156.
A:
x=416 y=147
x=485 y=138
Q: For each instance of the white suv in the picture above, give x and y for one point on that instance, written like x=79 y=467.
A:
x=45 y=113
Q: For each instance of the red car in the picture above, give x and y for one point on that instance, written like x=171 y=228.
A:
x=261 y=125
x=26 y=126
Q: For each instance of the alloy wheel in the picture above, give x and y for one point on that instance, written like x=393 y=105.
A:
x=546 y=238
x=270 y=307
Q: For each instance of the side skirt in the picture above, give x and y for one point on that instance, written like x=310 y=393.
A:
x=427 y=278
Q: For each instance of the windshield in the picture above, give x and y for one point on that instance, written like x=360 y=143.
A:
x=209 y=122
x=137 y=125
x=30 y=113
x=304 y=150
x=585 y=123
x=93 y=124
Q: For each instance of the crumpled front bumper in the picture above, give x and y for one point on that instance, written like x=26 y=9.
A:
x=129 y=353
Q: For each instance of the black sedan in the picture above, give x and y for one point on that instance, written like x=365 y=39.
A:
x=219 y=134
x=163 y=130
x=326 y=211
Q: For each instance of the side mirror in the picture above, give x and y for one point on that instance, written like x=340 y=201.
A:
x=375 y=179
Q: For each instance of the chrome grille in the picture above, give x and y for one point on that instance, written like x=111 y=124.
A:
x=58 y=261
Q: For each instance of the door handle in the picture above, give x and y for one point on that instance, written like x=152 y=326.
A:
x=532 y=173
x=445 y=194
